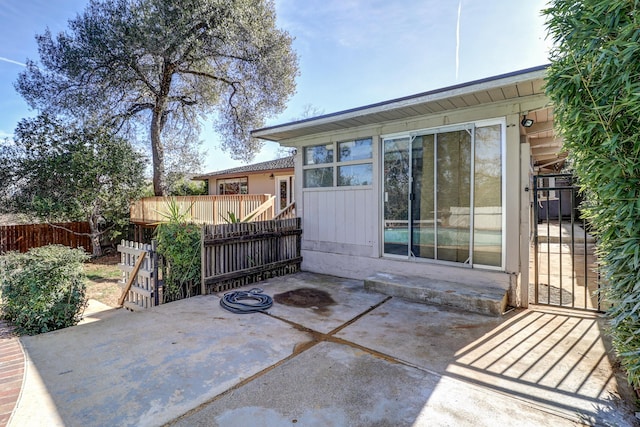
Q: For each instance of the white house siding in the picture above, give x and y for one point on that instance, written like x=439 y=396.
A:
x=342 y=227
x=342 y=221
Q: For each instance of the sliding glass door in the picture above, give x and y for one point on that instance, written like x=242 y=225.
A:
x=443 y=195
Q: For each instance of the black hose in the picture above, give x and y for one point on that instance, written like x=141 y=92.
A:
x=231 y=301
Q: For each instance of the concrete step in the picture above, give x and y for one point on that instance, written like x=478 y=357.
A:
x=491 y=301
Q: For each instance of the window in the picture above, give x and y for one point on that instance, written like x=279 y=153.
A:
x=355 y=175
x=351 y=167
x=232 y=186
x=319 y=177
x=318 y=154
x=355 y=150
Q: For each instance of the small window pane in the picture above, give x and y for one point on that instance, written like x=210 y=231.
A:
x=355 y=150
x=355 y=175
x=321 y=177
x=318 y=154
x=233 y=186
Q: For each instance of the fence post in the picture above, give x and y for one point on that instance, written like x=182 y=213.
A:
x=202 y=259
x=156 y=282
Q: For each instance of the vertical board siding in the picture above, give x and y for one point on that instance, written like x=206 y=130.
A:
x=235 y=255
x=23 y=237
x=311 y=208
x=340 y=216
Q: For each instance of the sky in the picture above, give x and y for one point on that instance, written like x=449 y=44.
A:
x=351 y=52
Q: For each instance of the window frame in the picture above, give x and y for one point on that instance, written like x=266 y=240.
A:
x=239 y=180
x=336 y=163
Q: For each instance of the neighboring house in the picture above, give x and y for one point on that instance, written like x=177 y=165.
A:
x=433 y=185
x=275 y=177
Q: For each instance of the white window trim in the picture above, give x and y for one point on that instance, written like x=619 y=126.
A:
x=336 y=163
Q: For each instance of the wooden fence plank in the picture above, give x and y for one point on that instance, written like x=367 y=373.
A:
x=23 y=237
x=234 y=255
x=140 y=287
x=132 y=278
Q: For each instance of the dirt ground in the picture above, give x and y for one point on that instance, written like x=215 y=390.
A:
x=103 y=275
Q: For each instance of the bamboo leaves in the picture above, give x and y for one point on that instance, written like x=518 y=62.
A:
x=594 y=85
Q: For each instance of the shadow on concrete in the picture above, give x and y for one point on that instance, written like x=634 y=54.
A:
x=559 y=360
x=366 y=359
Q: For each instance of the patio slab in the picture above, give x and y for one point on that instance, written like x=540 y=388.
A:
x=556 y=359
x=139 y=369
x=365 y=359
x=338 y=385
x=349 y=296
x=423 y=335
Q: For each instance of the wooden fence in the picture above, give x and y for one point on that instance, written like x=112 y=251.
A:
x=139 y=265
x=235 y=255
x=26 y=236
x=204 y=209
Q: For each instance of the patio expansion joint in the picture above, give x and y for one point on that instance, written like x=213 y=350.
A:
x=316 y=338
x=322 y=336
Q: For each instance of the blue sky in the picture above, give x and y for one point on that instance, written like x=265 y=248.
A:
x=352 y=52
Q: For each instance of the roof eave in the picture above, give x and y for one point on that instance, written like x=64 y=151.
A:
x=272 y=133
x=240 y=173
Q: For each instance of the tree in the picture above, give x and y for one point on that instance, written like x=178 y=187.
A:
x=309 y=111
x=160 y=66
x=58 y=172
x=593 y=83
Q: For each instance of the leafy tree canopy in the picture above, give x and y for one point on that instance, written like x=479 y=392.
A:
x=159 y=66
x=593 y=83
x=58 y=172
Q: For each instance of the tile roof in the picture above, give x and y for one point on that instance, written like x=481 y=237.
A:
x=282 y=163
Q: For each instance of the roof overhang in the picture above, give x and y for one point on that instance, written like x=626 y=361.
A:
x=241 y=173
x=511 y=86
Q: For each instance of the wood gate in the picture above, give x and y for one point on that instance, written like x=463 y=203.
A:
x=139 y=285
x=565 y=264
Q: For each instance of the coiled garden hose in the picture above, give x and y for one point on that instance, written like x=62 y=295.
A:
x=231 y=301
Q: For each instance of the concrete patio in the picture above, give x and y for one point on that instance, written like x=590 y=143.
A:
x=365 y=359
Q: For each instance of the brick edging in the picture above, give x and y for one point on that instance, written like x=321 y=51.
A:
x=12 y=370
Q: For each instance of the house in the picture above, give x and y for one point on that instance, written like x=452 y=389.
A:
x=275 y=177
x=432 y=185
x=258 y=192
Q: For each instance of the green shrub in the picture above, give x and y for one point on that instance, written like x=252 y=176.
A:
x=44 y=289
x=593 y=83
x=179 y=245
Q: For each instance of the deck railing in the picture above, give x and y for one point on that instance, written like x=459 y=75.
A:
x=205 y=209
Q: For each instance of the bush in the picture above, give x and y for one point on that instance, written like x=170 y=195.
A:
x=593 y=83
x=44 y=289
x=179 y=245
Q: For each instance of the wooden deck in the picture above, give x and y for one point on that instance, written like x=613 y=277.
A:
x=205 y=209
